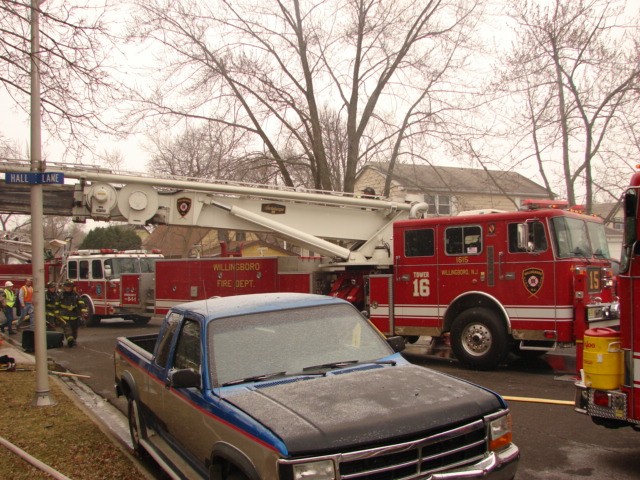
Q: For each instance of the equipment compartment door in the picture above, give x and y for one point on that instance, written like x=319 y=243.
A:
x=379 y=302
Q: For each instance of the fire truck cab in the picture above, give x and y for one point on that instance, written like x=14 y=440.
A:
x=115 y=283
x=524 y=281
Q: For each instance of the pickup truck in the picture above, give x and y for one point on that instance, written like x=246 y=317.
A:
x=299 y=386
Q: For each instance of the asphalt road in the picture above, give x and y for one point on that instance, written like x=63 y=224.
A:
x=555 y=442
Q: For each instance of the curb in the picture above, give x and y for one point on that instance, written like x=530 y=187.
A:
x=104 y=415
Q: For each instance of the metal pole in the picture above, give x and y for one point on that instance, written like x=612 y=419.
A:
x=42 y=396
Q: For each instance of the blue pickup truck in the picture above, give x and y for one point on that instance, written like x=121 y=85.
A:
x=297 y=386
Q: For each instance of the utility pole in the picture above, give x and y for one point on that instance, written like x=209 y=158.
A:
x=42 y=395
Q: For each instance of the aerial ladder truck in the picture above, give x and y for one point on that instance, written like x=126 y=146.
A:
x=492 y=283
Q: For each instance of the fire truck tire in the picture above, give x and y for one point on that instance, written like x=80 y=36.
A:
x=141 y=321
x=92 y=319
x=479 y=339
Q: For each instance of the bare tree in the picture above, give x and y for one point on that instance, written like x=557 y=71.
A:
x=285 y=71
x=576 y=65
x=75 y=48
x=208 y=151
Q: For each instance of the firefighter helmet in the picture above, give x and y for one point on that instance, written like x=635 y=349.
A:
x=369 y=191
x=68 y=283
x=51 y=284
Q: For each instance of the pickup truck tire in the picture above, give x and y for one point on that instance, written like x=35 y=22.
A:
x=479 y=339
x=136 y=427
x=236 y=476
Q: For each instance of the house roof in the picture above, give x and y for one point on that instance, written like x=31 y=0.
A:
x=607 y=210
x=431 y=178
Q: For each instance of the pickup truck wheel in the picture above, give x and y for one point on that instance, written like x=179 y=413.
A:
x=136 y=427
x=479 y=339
x=236 y=476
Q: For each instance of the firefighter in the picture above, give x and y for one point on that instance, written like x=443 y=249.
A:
x=70 y=308
x=51 y=297
x=8 y=302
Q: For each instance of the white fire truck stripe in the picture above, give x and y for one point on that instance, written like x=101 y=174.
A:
x=533 y=314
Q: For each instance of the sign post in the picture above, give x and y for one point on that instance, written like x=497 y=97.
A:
x=42 y=396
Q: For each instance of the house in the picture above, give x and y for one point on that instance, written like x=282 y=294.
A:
x=450 y=190
x=195 y=242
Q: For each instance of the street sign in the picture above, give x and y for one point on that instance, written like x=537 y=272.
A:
x=34 y=178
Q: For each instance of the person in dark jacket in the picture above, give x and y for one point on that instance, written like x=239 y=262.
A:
x=51 y=306
x=70 y=308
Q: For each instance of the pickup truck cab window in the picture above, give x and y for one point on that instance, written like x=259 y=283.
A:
x=290 y=341
x=172 y=322
x=188 y=347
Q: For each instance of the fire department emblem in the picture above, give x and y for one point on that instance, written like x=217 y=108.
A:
x=184 y=205
x=492 y=228
x=532 y=278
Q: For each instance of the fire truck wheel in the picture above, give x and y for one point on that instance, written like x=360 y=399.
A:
x=92 y=320
x=479 y=339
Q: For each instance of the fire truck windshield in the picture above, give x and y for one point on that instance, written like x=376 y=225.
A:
x=579 y=238
x=120 y=265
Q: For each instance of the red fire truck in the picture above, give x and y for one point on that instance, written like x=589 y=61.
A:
x=526 y=281
x=609 y=389
x=493 y=282
x=115 y=283
x=112 y=283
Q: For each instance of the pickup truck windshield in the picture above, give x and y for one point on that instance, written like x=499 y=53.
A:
x=289 y=341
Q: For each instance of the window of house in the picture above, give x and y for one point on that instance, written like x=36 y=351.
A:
x=463 y=240
x=419 y=243
x=438 y=204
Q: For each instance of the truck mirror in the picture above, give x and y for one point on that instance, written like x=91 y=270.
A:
x=185 y=378
x=397 y=343
x=107 y=272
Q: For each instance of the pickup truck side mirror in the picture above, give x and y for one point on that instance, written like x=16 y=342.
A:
x=185 y=378
x=397 y=343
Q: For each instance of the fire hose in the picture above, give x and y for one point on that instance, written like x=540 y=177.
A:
x=32 y=460
x=538 y=400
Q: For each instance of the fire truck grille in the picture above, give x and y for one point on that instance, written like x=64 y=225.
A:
x=439 y=452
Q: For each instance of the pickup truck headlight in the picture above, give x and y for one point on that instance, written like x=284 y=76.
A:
x=500 y=432
x=320 y=470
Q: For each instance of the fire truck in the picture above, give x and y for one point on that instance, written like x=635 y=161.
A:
x=112 y=283
x=491 y=282
x=609 y=388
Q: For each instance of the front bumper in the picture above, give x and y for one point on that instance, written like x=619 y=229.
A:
x=501 y=465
